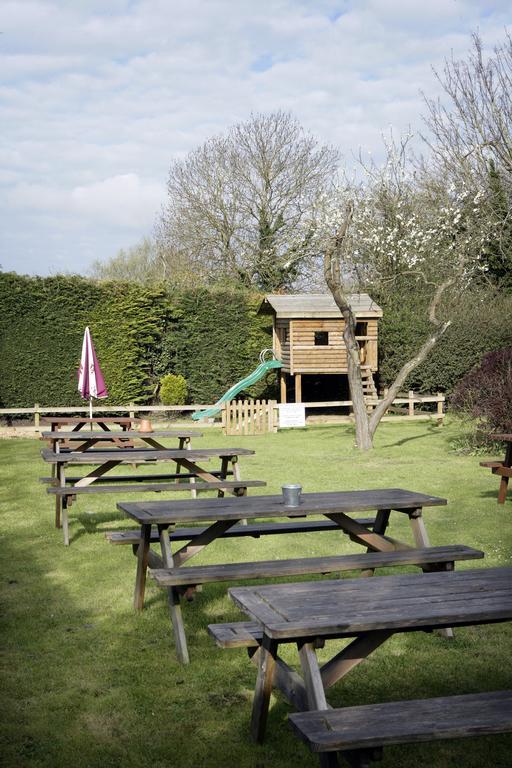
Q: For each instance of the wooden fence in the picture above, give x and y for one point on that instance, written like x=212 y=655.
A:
x=403 y=406
x=249 y=417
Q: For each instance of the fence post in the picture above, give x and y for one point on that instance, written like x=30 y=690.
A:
x=411 y=403
x=132 y=413
x=36 y=415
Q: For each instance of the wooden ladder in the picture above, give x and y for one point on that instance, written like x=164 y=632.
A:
x=369 y=388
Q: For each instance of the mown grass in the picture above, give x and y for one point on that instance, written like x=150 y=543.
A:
x=88 y=683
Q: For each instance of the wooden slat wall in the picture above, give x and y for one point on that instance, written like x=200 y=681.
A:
x=301 y=355
x=305 y=357
x=280 y=329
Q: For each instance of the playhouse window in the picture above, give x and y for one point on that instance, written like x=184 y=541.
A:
x=361 y=329
x=321 y=338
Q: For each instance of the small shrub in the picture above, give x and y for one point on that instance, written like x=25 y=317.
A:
x=173 y=389
x=485 y=394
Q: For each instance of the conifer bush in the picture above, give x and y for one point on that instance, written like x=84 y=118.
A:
x=173 y=389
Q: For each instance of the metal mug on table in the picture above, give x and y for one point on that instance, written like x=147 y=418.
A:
x=291 y=494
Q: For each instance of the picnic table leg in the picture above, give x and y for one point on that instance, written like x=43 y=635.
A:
x=57 y=497
x=64 y=507
x=142 y=567
x=65 y=521
x=380 y=525
x=315 y=692
x=264 y=683
x=173 y=597
x=223 y=474
x=502 y=493
x=422 y=541
x=237 y=475
x=188 y=447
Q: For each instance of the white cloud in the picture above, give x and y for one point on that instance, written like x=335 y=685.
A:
x=97 y=98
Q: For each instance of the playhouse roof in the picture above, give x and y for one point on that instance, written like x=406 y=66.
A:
x=318 y=305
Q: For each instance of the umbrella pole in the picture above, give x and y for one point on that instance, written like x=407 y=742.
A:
x=90 y=409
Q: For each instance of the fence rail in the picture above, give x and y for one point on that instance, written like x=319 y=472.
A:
x=410 y=400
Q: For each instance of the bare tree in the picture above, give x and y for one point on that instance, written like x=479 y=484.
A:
x=471 y=139
x=236 y=203
x=474 y=126
x=138 y=264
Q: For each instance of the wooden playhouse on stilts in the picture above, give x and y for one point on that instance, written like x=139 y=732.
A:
x=308 y=339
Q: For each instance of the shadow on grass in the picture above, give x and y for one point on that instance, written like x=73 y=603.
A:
x=91 y=523
x=432 y=429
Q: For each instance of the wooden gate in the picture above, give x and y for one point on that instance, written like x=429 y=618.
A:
x=249 y=417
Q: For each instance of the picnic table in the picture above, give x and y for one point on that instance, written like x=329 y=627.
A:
x=370 y=611
x=502 y=468
x=222 y=518
x=101 y=479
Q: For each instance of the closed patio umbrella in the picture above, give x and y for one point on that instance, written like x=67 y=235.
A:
x=90 y=378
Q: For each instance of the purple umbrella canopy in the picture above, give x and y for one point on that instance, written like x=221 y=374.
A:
x=90 y=378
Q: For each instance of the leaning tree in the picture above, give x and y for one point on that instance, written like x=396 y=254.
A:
x=399 y=231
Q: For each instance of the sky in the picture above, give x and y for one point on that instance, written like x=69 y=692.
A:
x=98 y=97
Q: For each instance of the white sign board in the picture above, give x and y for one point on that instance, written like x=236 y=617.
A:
x=292 y=415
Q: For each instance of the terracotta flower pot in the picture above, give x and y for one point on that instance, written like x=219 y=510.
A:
x=145 y=425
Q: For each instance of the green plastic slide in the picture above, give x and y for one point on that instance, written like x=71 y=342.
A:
x=258 y=373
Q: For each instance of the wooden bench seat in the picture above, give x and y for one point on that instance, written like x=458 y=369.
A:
x=254 y=530
x=238 y=634
x=156 y=487
x=372 y=726
x=492 y=464
x=138 y=478
x=261 y=569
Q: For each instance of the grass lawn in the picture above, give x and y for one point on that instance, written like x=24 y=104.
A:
x=86 y=682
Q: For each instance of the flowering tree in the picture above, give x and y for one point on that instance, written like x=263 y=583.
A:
x=396 y=231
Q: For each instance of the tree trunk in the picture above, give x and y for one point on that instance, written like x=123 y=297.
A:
x=333 y=279
x=363 y=436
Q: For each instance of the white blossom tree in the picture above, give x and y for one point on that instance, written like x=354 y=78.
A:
x=399 y=231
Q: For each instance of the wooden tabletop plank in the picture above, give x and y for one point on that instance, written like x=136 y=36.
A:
x=98 y=435
x=273 y=506
x=131 y=455
x=397 y=603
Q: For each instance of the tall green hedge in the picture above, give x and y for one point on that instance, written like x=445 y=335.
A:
x=41 y=329
x=481 y=326
x=214 y=340
x=140 y=334
x=211 y=337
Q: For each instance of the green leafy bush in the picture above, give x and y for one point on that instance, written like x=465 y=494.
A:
x=173 y=389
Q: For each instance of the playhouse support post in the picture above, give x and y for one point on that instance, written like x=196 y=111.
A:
x=298 y=388
x=282 y=384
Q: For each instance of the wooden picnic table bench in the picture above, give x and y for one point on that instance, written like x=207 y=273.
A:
x=225 y=514
x=365 y=730
x=105 y=460
x=308 y=614
x=254 y=531
x=502 y=468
